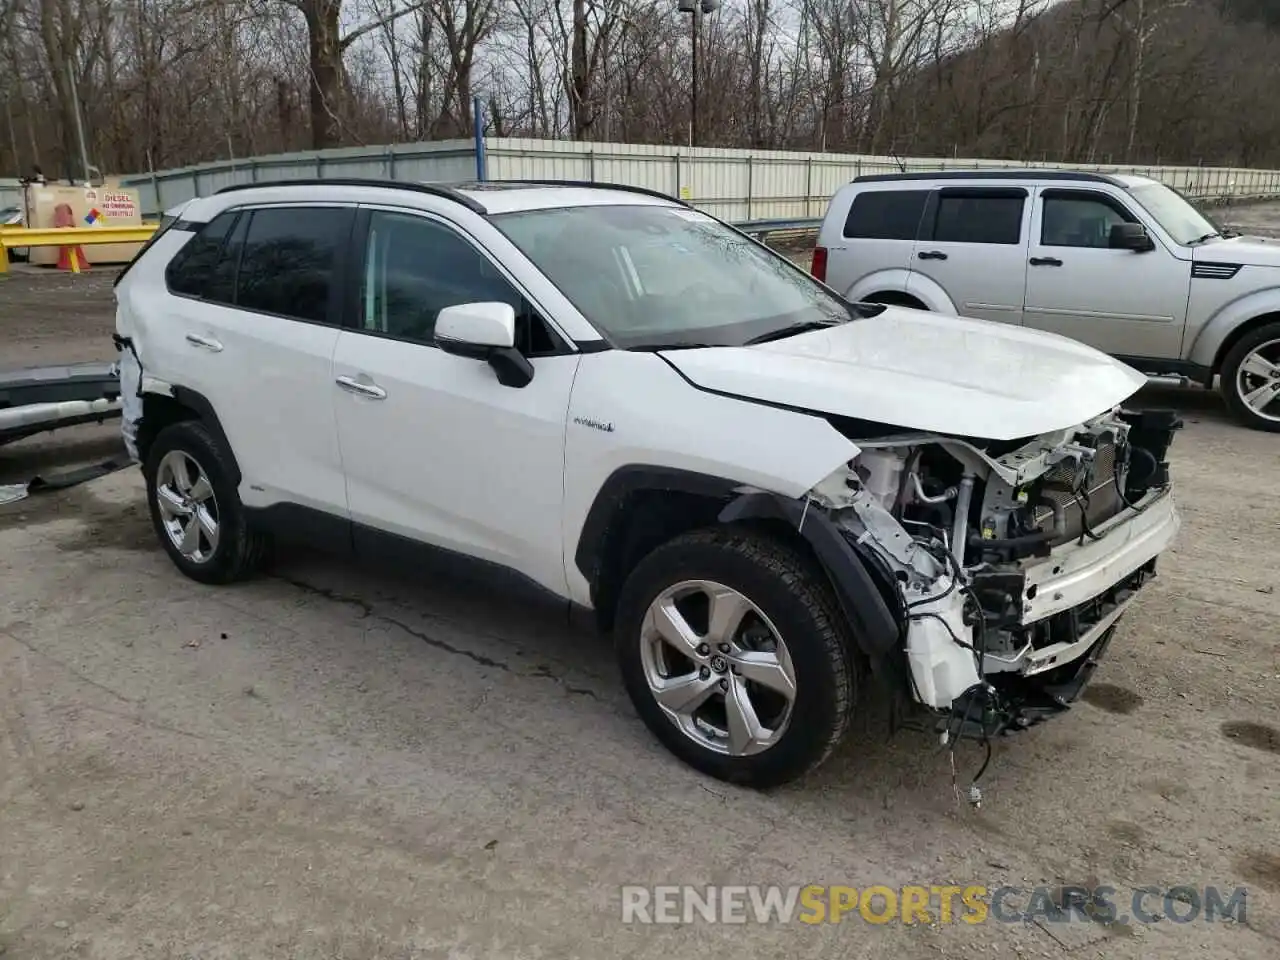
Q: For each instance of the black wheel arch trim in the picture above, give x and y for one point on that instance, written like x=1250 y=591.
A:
x=199 y=403
x=875 y=628
x=624 y=481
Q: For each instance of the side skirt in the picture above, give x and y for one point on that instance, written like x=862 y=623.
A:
x=398 y=555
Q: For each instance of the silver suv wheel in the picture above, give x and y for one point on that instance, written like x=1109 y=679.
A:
x=728 y=684
x=188 y=507
x=1258 y=381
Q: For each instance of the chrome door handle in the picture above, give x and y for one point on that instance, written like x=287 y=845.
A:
x=207 y=343
x=370 y=390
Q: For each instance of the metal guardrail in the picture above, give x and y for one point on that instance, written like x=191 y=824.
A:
x=760 y=229
x=21 y=238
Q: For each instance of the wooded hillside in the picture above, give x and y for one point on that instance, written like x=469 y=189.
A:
x=170 y=82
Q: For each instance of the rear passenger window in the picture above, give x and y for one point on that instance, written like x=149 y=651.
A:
x=289 y=257
x=885 y=214
x=201 y=268
x=979 y=216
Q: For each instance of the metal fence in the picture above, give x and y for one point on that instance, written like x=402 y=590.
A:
x=736 y=185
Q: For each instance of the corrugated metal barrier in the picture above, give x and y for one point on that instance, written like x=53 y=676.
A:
x=736 y=185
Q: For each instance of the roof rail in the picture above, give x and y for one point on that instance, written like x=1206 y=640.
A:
x=596 y=184
x=1029 y=173
x=437 y=190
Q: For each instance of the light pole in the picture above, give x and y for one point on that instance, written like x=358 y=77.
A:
x=695 y=9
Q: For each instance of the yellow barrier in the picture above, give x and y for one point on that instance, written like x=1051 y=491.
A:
x=20 y=237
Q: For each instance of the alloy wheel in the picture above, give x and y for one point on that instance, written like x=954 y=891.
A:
x=1258 y=381
x=188 y=507
x=717 y=667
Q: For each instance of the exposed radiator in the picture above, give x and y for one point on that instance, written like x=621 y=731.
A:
x=1087 y=493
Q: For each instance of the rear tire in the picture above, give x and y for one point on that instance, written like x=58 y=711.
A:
x=1252 y=365
x=195 y=509
x=779 y=590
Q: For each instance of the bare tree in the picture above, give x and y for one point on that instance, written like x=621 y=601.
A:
x=170 y=82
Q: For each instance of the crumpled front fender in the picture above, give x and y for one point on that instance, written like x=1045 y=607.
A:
x=874 y=625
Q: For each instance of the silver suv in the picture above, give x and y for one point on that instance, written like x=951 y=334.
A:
x=1122 y=263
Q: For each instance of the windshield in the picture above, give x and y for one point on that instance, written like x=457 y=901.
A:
x=1183 y=222
x=650 y=277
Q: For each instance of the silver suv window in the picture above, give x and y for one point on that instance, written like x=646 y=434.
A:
x=979 y=215
x=885 y=214
x=1079 y=220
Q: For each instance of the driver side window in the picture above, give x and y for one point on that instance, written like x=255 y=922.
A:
x=1079 y=220
x=415 y=267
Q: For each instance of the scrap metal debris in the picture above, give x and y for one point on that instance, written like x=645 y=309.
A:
x=12 y=492
x=45 y=482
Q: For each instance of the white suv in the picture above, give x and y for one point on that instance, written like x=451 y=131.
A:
x=1122 y=263
x=767 y=493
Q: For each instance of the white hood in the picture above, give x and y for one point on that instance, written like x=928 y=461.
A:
x=923 y=371
x=1251 y=251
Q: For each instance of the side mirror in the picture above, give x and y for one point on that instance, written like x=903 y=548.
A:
x=485 y=331
x=1130 y=236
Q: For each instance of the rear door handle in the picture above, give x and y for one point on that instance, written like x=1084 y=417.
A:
x=1045 y=262
x=370 y=390
x=931 y=255
x=205 y=343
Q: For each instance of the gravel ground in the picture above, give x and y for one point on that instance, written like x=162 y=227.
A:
x=329 y=763
x=49 y=317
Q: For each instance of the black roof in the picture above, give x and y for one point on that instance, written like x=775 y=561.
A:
x=1030 y=173
x=436 y=189
x=450 y=191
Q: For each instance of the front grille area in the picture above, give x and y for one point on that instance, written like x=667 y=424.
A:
x=1087 y=494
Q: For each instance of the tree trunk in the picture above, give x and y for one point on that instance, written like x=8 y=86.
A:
x=325 y=61
x=1136 y=78
x=579 y=74
x=57 y=33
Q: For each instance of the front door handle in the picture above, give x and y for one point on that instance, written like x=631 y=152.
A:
x=370 y=390
x=1045 y=262
x=931 y=255
x=205 y=343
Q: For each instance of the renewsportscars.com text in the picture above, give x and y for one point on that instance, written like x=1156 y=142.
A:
x=934 y=903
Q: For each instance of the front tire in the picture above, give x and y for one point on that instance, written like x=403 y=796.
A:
x=736 y=657
x=195 y=509
x=1251 y=378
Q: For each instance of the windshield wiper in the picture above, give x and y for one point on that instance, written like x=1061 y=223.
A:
x=793 y=330
x=675 y=345
x=1207 y=236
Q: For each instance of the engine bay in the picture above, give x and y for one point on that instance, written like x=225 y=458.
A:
x=1008 y=564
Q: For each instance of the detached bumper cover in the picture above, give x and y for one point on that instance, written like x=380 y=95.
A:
x=44 y=398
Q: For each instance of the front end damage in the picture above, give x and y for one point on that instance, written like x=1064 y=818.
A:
x=1007 y=565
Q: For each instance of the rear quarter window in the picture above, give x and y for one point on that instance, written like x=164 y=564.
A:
x=162 y=228
x=885 y=214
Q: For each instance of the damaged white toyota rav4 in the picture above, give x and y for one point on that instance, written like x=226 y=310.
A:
x=771 y=496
